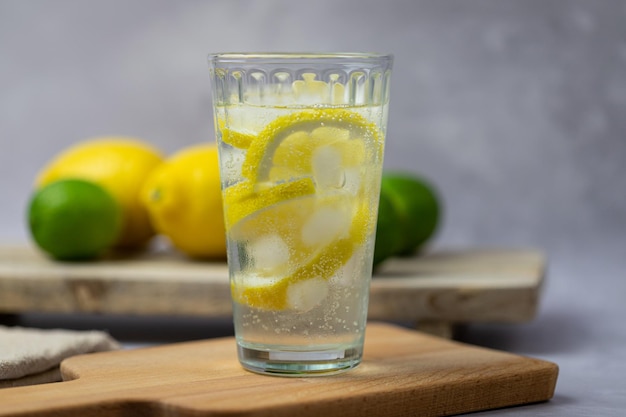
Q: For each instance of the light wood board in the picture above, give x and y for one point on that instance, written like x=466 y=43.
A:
x=404 y=373
x=434 y=290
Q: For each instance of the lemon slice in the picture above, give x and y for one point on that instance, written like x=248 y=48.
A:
x=247 y=126
x=324 y=153
x=290 y=292
x=313 y=142
x=300 y=213
x=241 y=200
x=237 y=139
x=306 y=285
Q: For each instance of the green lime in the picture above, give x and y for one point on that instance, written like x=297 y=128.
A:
x=389 y=237
x=418 y=207
x=409 y=214
x=74 y=219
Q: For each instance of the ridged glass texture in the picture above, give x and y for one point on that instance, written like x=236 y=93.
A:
x=290 y=79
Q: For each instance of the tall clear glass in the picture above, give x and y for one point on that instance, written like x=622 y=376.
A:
x=301 y=140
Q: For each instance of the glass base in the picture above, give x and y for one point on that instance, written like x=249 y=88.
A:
x=298 y=363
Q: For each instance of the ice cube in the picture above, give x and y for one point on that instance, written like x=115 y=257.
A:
x=353 y=180
x=269 y=252
x=305 y=295
x=328 y=170
x=351 y=271
x=325 y=225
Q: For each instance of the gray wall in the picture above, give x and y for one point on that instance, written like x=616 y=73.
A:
x=516 y=110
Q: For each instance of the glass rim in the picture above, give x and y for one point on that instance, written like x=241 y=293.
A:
x=296 y=57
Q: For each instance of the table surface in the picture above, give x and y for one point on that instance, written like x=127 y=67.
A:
x=579 y=326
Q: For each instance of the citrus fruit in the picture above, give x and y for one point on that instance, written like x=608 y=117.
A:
x=301 y=211
x=319 y=142
x=389 y=236
x=120 y=165
x=410 y=212
x=242 y=201
x=234 y=138
x=299 y=280
x=183 y=199
x=74 y=219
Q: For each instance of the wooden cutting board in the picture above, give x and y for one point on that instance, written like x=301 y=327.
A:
x=433 y=290
x=403 y=373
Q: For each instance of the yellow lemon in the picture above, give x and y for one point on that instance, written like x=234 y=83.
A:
x=183 y=197
x=120 y=165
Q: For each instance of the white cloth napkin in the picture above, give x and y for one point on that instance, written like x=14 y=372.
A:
x=32 y=356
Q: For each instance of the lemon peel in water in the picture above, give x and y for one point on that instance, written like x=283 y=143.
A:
x=260 y=155
x=303 y=190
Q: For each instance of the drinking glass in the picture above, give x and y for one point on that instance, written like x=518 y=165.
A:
x=301 y=140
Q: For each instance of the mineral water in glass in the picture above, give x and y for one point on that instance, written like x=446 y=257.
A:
x=301 y=142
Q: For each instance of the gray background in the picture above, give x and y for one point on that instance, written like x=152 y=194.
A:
x=515 y=110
